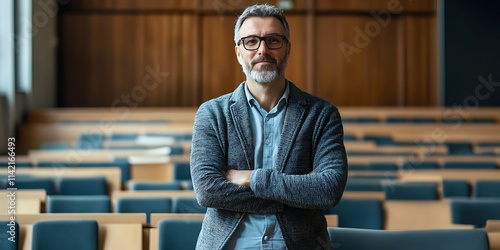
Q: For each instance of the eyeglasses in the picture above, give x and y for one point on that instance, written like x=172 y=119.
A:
x=253 y=42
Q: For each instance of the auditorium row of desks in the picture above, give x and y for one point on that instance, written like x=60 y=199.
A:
x=40 y=132
x=397 y=215
x=160 y=167
x=187 y=114
x=116 y=231
x=127 y=231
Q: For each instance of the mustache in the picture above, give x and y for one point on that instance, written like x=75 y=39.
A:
x=264 y=58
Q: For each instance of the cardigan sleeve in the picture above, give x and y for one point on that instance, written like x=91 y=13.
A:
x=324 y=186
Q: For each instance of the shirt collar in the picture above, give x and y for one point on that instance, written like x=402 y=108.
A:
x=252 y=102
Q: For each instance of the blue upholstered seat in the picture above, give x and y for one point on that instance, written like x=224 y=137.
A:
x=422 y=120
x=469 y=165
x=437 y=239
x=359 y=213
x=363 y=184
x=395 y=119
x=120 y=162
x=65 y=234
x=36 y=182
x=379 y=139
x=187 y=205
x=408 y=166
x=155 y=185
x=82 y=186
x=457 y=148
x=9 y=229
x=78 y=204
x=89 y=141
x=123 y=136
x=146 y=205
x=456 y=188
x=474 y=211
x=482 y=120
x=178 y=234
x=182 y=171
x=487 y=189
x=411 y=191
x=55 y=146
x=382 y=166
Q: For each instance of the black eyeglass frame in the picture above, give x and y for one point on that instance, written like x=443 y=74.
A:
x=262 y=38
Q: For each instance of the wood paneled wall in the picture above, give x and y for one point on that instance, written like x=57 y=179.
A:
x=181 y=53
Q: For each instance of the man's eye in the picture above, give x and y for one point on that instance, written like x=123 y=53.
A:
x=273 y=40
x=251 y=41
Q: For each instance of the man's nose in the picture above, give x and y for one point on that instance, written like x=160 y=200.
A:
x=263 y=49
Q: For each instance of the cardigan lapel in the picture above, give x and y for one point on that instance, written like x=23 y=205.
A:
x=241 y=118
x=295 y=114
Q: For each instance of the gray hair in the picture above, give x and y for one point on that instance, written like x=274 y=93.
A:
x=261 y=10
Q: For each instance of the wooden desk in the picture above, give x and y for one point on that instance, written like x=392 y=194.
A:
x=417 y=215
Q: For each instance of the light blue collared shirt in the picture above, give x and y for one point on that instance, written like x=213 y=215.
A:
x=261 y=231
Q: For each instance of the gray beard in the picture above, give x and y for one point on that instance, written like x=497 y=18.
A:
x=267 y=74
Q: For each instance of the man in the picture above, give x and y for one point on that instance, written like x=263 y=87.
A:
x=267 y=159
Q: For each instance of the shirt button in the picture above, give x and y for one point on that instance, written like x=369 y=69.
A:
x=267 y=119
x=237 y=215
x=267 y=141
x=266 y=238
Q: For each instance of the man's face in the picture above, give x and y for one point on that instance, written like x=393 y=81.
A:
x=263 y=65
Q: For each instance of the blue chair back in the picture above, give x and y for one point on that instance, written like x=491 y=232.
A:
x=83 y=186
x=363 y=185
x=411 y=191
x=470 y=165
x=182 y=171
x=408 y=166
x=487 y=189
x=437 y=239
x=65 y=234
x=9 y=235
x=456 y=188
x=35 y=182
x=78 y=204
x=179 y=234
x=155 y=185
x=474 y=211
x=146 y=205
x=187 y=205
x=359 y=213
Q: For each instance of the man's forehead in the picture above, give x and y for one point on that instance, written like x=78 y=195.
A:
x=267 y=24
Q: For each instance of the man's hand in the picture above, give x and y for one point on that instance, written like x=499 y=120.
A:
x=239 y=177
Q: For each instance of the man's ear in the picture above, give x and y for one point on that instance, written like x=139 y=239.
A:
x=238 y=53
x=289 y=47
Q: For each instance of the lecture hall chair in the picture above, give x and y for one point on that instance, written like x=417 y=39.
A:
x=469 y=165
x=410 y=191
x=178 y=234
x=155 y=185
x=436 y=239
x=187 y=205
x=5 y=234
x=78 y=204
x=146 y=205
x=359 y=213
x=456 y=188
x=82 y=186
x=487 y=189
x=65 y=234
x=474 y=211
